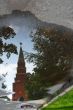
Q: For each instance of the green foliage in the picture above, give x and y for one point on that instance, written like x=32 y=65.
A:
x=53 y=55
x=6 y=33
x=65 y=108
x=63 y=103
x=34 y=87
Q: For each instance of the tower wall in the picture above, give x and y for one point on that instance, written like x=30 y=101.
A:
x=20 y=80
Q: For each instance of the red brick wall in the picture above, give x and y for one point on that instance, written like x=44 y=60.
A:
x=19 y=88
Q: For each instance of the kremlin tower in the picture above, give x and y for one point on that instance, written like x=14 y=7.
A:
x=19 y=84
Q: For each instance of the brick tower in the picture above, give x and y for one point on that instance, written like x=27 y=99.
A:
x=19 y=84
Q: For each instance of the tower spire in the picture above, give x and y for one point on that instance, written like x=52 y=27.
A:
x=21 y=63
x=21 y=56
x=20 y=80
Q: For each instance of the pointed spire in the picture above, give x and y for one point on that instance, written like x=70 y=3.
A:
x=21 y=56
x=21 y=62
x=20 y=80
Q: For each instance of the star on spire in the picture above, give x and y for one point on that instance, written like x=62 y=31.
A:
x=20 y=43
